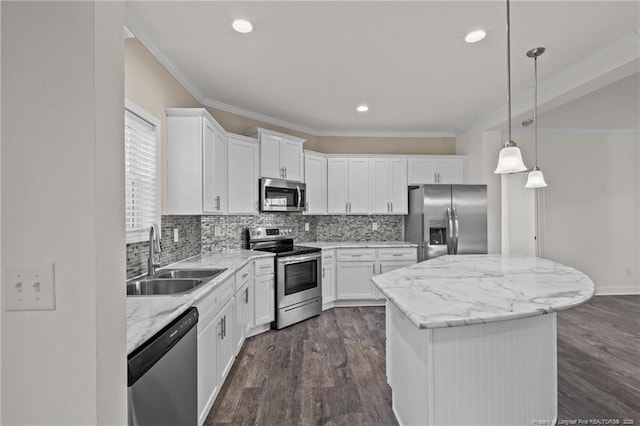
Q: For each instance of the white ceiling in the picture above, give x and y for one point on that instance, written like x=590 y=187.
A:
x=310 y=63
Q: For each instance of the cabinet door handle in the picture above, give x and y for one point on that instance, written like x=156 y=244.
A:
x=391 y=206
x=285 y=172
x=218 y=202
x=220 y=333
x=323 y=272
x=374 y=268
x=380 y=267
x=346 y=207
x=246 y=295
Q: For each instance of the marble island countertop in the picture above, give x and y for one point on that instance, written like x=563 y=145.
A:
x=357 y=244
x=461 y=290
x=146 y=315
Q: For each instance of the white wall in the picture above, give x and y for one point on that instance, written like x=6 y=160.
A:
x=62 y=201
x=590 y=214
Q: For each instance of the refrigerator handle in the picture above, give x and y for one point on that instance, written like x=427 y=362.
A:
x=456 y=232
x=449 y=231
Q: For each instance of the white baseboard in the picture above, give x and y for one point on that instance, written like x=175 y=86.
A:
x=617 y=291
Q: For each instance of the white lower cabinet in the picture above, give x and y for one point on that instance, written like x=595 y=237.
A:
x=226 y=351
x=264 y=300
x=207 y=363
x=355 y=267
x=264 y=291
x=328 y=277
x=354 y=280
x=209 y=347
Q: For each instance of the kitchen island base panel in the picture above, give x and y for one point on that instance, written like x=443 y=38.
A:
x=485 y=374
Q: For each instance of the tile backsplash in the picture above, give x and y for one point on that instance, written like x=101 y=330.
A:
x=198 y=233
x=231 y=228
x=188 y=244
x=359 y=228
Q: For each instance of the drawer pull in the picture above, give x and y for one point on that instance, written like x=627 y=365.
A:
x=398 y=254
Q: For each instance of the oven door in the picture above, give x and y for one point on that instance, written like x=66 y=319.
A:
x=277 y=195
x=298 y=278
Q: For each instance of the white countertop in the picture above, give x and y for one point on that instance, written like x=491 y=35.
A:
x=357 y=244
x=146 y=315
x=460 y=290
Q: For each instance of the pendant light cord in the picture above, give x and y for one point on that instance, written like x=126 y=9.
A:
x=509 y=70
x=535 y=109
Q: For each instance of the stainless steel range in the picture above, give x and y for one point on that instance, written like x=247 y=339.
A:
x=298 y=275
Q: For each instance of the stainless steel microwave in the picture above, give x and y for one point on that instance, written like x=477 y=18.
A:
x=278 y=195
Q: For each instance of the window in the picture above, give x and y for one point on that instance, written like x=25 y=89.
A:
x=142 y=172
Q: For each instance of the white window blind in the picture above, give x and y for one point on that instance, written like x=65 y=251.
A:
x=142 y=200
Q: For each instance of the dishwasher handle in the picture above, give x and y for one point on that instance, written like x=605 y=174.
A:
x=150 y=352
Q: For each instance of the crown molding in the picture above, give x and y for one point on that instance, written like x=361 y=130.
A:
x=582 y=131
x=617 y=60
x=256 y=116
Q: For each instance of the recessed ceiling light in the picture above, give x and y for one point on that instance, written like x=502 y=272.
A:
x=474 y=36
x=362 y=108
x=242 y=26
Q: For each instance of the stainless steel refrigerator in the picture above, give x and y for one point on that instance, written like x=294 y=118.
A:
x=447 y=219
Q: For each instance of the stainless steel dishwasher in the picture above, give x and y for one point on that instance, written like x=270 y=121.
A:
x=162 y=376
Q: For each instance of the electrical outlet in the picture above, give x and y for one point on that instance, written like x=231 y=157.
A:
x=374 y=226
x=175 y=235
x=306 y=226
x=30 y=286
x=217 y=231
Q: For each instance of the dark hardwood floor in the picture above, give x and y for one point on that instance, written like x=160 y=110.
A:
x=331 y=369
x=599 y=360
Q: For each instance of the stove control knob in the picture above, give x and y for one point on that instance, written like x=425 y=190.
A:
x=259 y=232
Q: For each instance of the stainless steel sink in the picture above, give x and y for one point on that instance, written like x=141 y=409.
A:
x=205 y=274
x=161 y=286
x=171 y=281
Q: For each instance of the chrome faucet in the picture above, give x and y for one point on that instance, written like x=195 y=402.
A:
x=154 y=249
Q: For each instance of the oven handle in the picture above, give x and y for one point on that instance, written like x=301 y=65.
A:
x=299 y=196
x=297 y=259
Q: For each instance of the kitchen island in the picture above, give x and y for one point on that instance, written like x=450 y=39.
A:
x=471 y=340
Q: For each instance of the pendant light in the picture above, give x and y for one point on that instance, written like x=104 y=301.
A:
x=536 y=178
x=510 y=159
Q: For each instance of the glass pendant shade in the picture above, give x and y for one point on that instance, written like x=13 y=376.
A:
x=535 y=179
x=510 y=161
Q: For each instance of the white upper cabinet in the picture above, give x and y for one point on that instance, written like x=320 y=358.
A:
x=388 y=185
x=348 y=185
x=358 y=185
x=196 y=163
x=244 y=162
x=423 y=170
x=315 y=177
x=281 y=155
x=337 y=195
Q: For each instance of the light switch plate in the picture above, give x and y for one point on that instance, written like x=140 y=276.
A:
x=374 y=226
x=306 y=226
x=175 y=235
x=217 y=231
x=30 y=286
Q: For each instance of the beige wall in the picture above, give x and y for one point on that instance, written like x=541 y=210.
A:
x=385 y=145
x=151 y=86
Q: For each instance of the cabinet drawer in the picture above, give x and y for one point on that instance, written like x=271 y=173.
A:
x=226 y=291
x=356 y=255
x=263 y=266
x=243 y=276
x=392 y=254
x=328 y=256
